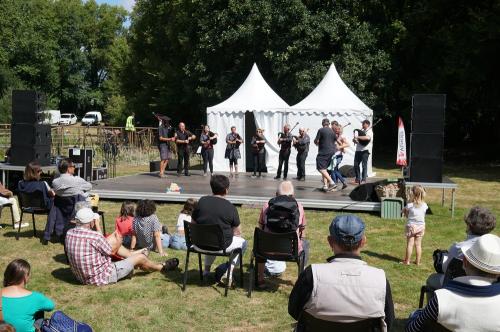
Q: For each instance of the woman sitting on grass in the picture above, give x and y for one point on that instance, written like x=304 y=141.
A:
x=415 y=227
x=124 y=223
x=22 y=308
x=178 y=240
x=148 y=231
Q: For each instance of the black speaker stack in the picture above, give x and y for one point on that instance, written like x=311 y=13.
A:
x=427 y=137
x=30 y=139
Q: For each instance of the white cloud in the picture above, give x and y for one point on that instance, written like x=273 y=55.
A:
x=128 y=4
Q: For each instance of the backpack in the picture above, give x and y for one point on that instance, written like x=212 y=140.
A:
x=282 y=214
x=59 y=322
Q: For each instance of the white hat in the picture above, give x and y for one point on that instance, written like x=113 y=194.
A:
x=485 y=254
x=85 y=216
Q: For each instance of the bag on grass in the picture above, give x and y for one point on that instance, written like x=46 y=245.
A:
x=59 y=322
x=282 y=214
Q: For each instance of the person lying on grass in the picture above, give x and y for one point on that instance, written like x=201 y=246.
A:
x=89 y=254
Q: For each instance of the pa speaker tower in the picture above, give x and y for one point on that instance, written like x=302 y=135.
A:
x=427 y=137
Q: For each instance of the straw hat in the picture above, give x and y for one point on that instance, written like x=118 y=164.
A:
x=485 y=254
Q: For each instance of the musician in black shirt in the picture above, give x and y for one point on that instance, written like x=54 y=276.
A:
x=258 y=152
x=233 y=140
x=165 y=136
x=325 y=140
x=285 y=142
x=301 y=143
x=207 y=140
x=182 y=139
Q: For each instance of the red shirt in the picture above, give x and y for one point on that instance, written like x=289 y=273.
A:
x=123 y=225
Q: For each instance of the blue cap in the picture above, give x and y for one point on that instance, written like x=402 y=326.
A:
x=347 y=229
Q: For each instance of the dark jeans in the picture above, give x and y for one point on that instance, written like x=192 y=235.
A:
x=284 y=156
x=259 y=160
x=208 y=159
x=361 y=157
x=301 y=164
x=183 y=157
x=335 y=173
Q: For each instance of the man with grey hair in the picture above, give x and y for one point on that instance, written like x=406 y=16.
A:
x=285 y=142
x=182 y=139
x=285 y=192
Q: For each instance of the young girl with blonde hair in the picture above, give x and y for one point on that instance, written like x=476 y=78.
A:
x=415 y=227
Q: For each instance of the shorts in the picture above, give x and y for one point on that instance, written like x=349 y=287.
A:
x=323 y=160
x=122 y=269
x=165 y=152
x=415 y=230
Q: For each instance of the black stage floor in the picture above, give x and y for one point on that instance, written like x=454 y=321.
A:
x=244 y=190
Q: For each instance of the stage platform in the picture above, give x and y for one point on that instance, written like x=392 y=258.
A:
x=243 y=190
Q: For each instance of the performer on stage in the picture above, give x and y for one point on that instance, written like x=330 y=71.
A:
x=258 y=152
x=301 y=143
x=325 y=140
x=285 y=142
x=182 y=139
x=363 y=147
x=233 y=140
x=207 y=140
x=164 y=138
x=341 y=145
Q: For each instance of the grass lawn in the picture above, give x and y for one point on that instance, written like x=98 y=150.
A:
x=152 y=302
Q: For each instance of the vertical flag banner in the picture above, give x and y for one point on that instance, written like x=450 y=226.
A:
x=401 y=154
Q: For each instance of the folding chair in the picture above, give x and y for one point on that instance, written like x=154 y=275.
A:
x=9 y=205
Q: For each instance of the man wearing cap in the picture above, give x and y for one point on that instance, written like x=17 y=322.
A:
x=345 y=289
x=89 y=254
x=468 y=303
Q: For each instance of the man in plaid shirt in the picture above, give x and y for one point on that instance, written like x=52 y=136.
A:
x=89 y=254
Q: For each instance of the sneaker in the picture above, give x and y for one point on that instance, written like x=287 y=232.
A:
x=325 y=188
x=24 y=224
x=302 y=179
x=226 y=281
x=277 y=177
x=205 y=174
x=344 y=185
x=254 y=176
x=332 y=187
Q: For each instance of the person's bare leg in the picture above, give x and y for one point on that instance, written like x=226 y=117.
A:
x=163 y=165
x=235 y=170
x=418 y=250
x=142 y=262
x=326 y=176
x=410 y=241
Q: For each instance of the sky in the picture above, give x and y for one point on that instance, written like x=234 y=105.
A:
x=127 y=4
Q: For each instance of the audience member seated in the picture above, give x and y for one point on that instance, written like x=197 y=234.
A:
x=124 y=223
x=7 y=197
x=67 y=184
x=89 y=254
x=5 y=327
x=478 y=221
x=31 y=182
x=178 y=240
x=284 y=189
x=217 y=210
x=468 y=303
x=345 y=289
x=148 y=232
x=22 y=308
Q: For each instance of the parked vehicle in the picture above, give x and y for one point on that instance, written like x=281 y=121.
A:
x=51 y=117
x=68 y=119
x=92 y=118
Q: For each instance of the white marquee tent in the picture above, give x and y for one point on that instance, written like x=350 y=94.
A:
x=257 y=97
x=333 y=100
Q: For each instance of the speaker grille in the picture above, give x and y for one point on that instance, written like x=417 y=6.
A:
x=428 y=113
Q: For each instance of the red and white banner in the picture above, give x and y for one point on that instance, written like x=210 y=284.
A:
x=401 y=154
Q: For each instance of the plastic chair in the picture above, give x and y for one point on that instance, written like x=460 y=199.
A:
x=208 y=240
x=32 y=203
x=277 y=247
x=308 y=322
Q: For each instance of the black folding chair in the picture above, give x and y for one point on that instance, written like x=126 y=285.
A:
x=32 y=203
x=208 y=240
x=277 y=247
x=308 y=322
x=8 y=205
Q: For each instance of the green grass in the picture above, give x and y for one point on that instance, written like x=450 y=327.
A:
x=152 y=302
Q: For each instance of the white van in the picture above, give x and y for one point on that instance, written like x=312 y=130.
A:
x=92 y=118
x=51 y=117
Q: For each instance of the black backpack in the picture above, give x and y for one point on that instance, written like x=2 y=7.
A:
x=282 y=214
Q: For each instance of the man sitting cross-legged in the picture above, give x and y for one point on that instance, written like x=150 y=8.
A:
x=89 y=254
x=345 y=289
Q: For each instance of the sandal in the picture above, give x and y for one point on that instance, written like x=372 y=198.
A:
x=170 y=265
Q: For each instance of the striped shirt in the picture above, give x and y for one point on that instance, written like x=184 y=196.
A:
x=419 y=318
x=144 y=229
x=89 y=256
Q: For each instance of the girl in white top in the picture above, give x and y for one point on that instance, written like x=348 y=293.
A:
x=415 y=227
x=178 y=240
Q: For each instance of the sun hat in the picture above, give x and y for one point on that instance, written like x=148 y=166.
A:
x=85 y=216
x=485 y=253
x=347 y=229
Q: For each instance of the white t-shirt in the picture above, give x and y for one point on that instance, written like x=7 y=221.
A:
x=368 y=147
x=416 y=215
x=180 y=221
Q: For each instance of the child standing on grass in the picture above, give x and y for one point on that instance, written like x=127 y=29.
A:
x=415 y=227
x=178 y=240
x=123 y=223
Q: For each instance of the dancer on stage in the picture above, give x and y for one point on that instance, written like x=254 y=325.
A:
x=164 y=138
x=325 y=140
x=341 y=145
x=285 y=142
x=208 y=139
x=182 y=139
x=363 y=147
x=258 y=152
x=233 y=140
x=301 y=143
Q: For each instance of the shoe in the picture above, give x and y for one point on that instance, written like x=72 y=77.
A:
x=205 y=174
x=277 y=177
x=187 y=174
x=211 y=174
x=355 y=182
x=254 y=176
x=178 y=174
x=226 y=281
x=297 y=178
x=24 y=224
x=325 y=188
x=302 y=179
x=284 y=178
x=344 y=185
x=332 y=187
x=260 y=175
